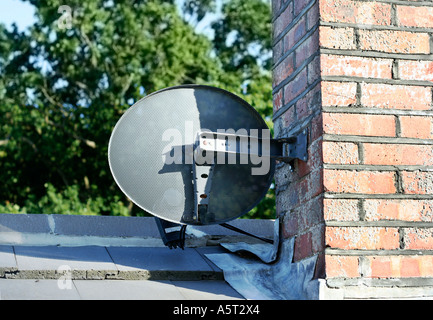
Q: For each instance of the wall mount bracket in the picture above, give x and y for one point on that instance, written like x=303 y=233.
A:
x=285 y=149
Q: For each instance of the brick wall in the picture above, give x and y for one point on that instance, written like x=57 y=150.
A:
x=359 y=76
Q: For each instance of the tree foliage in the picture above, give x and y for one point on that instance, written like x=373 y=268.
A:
x=63 y=89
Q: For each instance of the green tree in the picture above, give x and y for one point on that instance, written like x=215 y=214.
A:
x=63 y=89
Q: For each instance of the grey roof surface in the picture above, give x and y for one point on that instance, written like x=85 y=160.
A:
x=76 y=257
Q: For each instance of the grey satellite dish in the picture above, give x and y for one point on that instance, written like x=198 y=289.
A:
x=196 y=155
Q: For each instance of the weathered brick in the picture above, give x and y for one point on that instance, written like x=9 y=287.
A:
x=299 y=6
x=303 y=246
x=334 y=65
x=307 y=48
x=310 y=102
x=393 y=41
x=340 y=94
x=300 y=190
x=313 y=70
x=417 y=182
x=295 y=34
x=316 y=130
x=312 y=185
x=369 y=182
x=340 y=210
x=369 y=13
x=276 y=5
x=283 y=20
x=418 y=238
x=342 y=266
x=395 y=209
x=313 y=16
x=302 y=216
x=289 y=117
x=398 y=154
x=416 y=70
x=420 y=127
x=337 y=38
x=295 y=87
x=340 y=153
x=314 y=161
x=359 y=124
x=277 y=51
x=366 y=238
x=311 y=215
x=290 y=224
x=421 y=17
x=396 y=96
x=278 y=100
x=283 y=70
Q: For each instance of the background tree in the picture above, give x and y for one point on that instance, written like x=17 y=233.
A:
x=63 y=89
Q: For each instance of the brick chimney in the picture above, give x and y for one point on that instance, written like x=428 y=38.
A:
x=359 y=76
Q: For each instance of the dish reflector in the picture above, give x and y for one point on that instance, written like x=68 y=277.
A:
x=153 y=156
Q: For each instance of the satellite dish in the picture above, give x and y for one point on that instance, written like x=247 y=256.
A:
x=196 y=155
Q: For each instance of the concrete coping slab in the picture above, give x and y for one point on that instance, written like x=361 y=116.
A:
x=112 y=263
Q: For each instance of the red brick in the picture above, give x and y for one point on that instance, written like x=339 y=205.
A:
x=342 y=266
x=340 y=210
x=402 y=210
x=359 y=124
x=418 y=238
x=283 y=20
x=340 y=153
x=393 y=41
x=337 y=38
x=425 y=265
x=417 y=182
x=420 y=127
x=369 y=13
x=366 y=238
x=283 y=70
x=334 y=65
x=416 y=70
x=381 y=267
x=340 y=94
x=398 y=154
x=295 y=87
x=370 y=182
x=409 y=267
x=396 y=96
x=421 y=17
x=400 y=266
